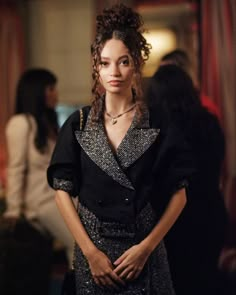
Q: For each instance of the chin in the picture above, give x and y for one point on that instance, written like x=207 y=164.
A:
x=117 y=90
x=114 y=91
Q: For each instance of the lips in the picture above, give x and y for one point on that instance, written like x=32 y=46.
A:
x=115 y=82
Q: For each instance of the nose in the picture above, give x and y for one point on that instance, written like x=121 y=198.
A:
x=115 y=72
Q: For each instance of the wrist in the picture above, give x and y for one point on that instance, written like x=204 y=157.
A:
x=147 y=246
x=89 y=251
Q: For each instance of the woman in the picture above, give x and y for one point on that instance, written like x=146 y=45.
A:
x=196 y=240
x=31 y=135
x=112 y=164
x=180 y=58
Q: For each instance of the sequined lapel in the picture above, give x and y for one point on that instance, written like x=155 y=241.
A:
x=137 y=140
x=94 y=142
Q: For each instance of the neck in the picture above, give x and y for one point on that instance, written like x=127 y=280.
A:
x=115 y=103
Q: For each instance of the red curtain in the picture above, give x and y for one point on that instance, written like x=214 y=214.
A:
x=218 y=64
x=11 y=65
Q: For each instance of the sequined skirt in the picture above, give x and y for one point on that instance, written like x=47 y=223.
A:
x=114 y=239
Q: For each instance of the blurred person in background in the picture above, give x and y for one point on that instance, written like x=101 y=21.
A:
x=31 y=134
x=180 y=58
x=195 y=241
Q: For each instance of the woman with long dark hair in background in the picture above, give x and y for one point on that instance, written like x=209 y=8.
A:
x=195 y=241
x=31 y=134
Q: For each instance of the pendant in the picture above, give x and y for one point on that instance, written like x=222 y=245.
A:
x=113 y=121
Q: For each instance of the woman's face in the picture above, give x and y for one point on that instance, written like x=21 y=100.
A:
x=51 y=95
x=116 y=69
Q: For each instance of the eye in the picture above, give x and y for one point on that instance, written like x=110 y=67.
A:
x=103 y=64
x=124 y=62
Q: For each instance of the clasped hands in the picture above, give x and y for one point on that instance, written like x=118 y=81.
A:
x=126 y=268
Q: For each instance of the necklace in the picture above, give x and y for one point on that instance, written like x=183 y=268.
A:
x=114 y=118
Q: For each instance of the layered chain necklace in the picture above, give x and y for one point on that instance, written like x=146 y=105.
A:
x=114 y=118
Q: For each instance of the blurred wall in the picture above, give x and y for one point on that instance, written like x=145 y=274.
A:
x=170 y=26
x=59 y=35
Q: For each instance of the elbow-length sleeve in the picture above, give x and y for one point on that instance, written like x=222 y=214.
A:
x=173 y=169
x=17 y=133
x=63 y=171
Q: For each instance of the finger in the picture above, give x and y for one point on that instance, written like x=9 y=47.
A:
x=102 y=281
x=136 y=274
x=110 y=283
x=106 y=282
x=97 y=282
x=120 y=259
x=119 y=268
x=131 y=276
x=117 y=279
x=125 y=272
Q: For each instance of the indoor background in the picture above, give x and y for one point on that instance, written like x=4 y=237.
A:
x=57 y=34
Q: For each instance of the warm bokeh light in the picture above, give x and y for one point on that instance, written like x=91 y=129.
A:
x=162 y=41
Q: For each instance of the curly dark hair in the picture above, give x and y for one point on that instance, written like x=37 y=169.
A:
x=122 y=23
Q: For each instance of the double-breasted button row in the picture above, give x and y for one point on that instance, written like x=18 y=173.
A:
x=126 y=199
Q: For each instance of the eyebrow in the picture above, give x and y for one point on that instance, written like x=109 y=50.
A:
x=107 y=58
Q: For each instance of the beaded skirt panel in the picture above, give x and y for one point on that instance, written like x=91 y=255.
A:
x=114 y=239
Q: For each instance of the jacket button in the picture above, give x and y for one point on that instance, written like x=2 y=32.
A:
x=127 y=201
x=100 y=202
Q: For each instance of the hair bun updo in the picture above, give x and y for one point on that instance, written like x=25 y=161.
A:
x=118 y=17
x=122 y=23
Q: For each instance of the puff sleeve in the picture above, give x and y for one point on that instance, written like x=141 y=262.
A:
x=63 y=171
x=173 y=169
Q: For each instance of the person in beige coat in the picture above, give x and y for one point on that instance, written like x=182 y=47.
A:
x=31 y=135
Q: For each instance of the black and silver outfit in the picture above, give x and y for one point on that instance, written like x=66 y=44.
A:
x=122 y=194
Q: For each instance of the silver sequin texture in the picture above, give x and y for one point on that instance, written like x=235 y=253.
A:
x=137 y=140
x=155 y=277
x=132 y=147
x=95 y=143
x=62 y=184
